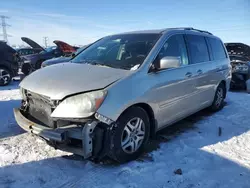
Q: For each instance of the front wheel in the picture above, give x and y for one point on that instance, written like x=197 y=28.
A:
x=39 y=64
x=219 y=97
x=26 y=69
x=5 y=76
x=130 y=136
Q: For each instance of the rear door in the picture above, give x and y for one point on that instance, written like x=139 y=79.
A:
x=202 y=67
x=220 y=61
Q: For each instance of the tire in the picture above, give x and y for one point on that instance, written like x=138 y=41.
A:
x=218 y=102
x=26 y=69
x=5 y=76
x=39 y=64
x=126 y=147
x=248 y=85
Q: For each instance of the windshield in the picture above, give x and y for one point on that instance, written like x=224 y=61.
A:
x=49 y=49
x=119 y=51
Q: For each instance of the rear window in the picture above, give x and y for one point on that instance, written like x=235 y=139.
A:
x=197 y=48
x=217 y=48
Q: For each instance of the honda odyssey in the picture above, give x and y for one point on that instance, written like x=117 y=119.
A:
x=122 y=89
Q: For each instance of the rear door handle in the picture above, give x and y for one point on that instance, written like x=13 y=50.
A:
x=188 y=74
x=199 y=71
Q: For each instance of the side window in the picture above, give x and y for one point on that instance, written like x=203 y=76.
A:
x=31 y=51
x=197 y=48
x=175 y=46
x=217 y=48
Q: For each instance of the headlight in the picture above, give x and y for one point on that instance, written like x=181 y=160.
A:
x=27 y=61
x=80 y=106
x=22 y=93
x=240 y=67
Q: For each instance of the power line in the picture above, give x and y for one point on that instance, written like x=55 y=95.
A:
x=4 y=26
x=46 y=41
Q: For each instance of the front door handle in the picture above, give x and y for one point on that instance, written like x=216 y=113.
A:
x=188 y=74
x=199 y=71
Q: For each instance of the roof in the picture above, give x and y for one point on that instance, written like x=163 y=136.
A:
x=155 y=31
x=159 y=31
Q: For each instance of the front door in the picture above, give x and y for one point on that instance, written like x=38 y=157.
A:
x=175 y=88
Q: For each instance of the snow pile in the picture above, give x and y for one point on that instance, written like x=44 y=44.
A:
x=211 y=150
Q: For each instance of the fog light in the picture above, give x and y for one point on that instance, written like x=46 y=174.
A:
x=103 y=119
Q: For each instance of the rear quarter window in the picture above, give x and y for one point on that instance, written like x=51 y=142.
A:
x=217 y=48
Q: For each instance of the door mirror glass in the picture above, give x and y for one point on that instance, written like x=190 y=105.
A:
x=169 y=62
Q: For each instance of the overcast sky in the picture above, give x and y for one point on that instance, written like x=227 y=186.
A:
x=80 y=22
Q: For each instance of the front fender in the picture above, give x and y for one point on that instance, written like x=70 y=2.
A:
x=126 y=93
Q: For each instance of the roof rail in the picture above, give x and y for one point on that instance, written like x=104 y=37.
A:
x=199 y=30
x=191 y=29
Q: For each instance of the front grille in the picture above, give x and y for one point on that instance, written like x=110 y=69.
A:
x=40 y=108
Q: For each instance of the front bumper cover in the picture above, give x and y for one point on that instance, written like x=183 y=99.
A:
x=61 y=135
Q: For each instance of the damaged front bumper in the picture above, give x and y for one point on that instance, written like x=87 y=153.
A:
x=61 y=137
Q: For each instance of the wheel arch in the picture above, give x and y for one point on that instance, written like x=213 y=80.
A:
x=8 y=68
x=149 y=110
x=225 y=87
x=39 y=62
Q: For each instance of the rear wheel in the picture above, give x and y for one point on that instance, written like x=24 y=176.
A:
x=5 y=76
x=219 y=97
x=130 y=136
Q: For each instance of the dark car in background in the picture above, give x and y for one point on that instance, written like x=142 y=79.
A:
x=8 y=63
x=34 y=61
x=239 y=54
x=62 y=59
x=28 y=51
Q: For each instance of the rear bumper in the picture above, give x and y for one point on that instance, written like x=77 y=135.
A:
x=60 y=137
x=239 y=80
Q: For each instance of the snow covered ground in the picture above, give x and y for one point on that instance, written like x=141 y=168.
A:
x=212 y=150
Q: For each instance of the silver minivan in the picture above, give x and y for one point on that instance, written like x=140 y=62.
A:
x=122 y=89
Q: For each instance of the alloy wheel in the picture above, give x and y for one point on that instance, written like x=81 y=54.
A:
x=4 y=77
x=133 y=135
x=220 y=96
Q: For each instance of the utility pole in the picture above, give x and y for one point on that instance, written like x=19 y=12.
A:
x=4 y=26
x=46 y=41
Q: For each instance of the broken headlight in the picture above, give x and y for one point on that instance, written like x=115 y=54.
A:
x=80 y=106
x=240 y=67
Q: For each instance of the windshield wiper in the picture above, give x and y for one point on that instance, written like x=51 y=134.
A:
x=95 y=62
x=101 y=64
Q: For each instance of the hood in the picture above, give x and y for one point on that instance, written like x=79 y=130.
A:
x=238 y=49
x=32 y=43
x=64 y=47
x=55 y=61
x=59 y=81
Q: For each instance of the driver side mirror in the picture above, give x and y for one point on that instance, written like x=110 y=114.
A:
x=167 y=62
